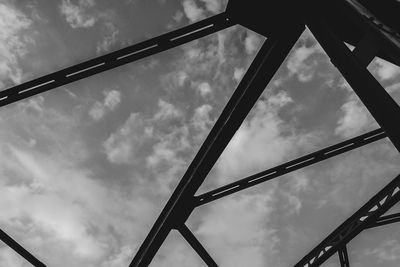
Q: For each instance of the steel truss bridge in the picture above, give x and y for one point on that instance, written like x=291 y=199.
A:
x=371 y=27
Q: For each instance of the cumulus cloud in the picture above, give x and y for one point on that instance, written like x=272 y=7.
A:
x=354 y=116
x=123 y=145
x=385 y=70
x=355 y=119
x=167 y=160
x=261 y=141
x=77 y=15
x=111 y=100
x=202 y=122
x=252 y=42
x=238 y=74
x=166 y=111
x=14 y=43
x=300 y=62
x=111 y=37
x=204 y=88
x=192 y=11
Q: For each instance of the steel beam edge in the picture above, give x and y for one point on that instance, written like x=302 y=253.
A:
x=196 y=245
x=344 y=257
x=9 y=241
x=379 y=103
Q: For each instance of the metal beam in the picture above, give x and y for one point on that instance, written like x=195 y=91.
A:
x=290 y=166
x=344 y=257
x=379 y=103
x=196 y=245
x=115 y=59
x=387 y=219
x=20 y=250
x=362 y=219
x=181 y=203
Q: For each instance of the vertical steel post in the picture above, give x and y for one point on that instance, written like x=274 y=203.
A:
x=344 y=257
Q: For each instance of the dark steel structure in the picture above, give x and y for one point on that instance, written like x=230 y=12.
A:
x=372 y=27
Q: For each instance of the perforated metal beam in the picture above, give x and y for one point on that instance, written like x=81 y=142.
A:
x=116 y=59
x=290 y=166
x=364 y=218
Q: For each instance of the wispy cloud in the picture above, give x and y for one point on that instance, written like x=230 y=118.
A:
x=14 y=43
x=123 y=146
x=385 y=70
x=355 y=119
x=389 y=250
x=236 y=230
x=111 y=100
x=77 y=15
x=302 y=61
x=261 y=140
x=192 y=11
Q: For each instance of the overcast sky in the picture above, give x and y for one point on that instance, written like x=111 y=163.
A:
x=86 y=168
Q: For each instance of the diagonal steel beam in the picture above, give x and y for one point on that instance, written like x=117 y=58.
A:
x=359 y=221
x=196 y=245
x=115 y=59
x=20 y=250
x=290 y=166
x=379 y=103
x=181 y=203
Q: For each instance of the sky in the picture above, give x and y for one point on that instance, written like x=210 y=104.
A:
x=86 y=168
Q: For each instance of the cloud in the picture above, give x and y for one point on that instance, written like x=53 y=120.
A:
x=205 y=89
x=202 y=121
x=55 y=206
x=111 y=100
x=166 y=111
x=261 y=141
x=178 y=16
x=300 y=62
x=9 y=257
x=14 y=43
x=238 y=74
x=110 y=38
x=385 y=70
x=355 y=119
x=252 y=42
x=355 y=177
x=214 y=6
x=124 y=145
x=236 y=230
x=192 y=11
x=77 y=15
x=176 y=252
x=389 y=250
x=168 y=157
